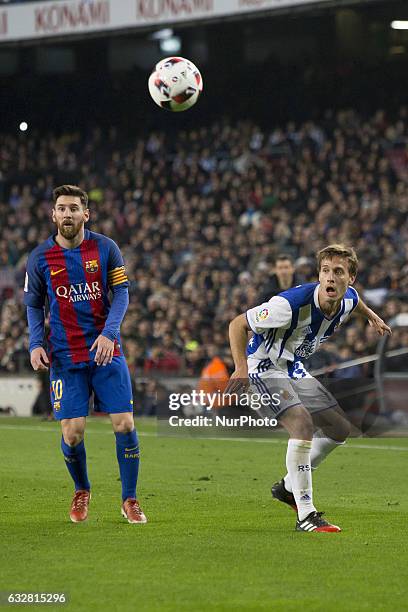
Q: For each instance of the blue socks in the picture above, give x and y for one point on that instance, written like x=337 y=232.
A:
x=75 y=460
x=127 y=452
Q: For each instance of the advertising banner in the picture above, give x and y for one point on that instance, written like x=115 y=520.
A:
x=35 y=20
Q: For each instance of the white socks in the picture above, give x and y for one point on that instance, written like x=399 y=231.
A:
x=300 y=475
x=321 y=447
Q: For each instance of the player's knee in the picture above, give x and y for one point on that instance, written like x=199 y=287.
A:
x=124 y=425
x=338 y=431
x=344 y=432
x=73 y=438
x=303 y=426
x=298 y=423
x=304 y=430
x=124 y=428
x=341 y=432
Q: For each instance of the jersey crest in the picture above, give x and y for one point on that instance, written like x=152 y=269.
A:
x=92 y=265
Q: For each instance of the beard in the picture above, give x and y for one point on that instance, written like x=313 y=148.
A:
x=69 y=232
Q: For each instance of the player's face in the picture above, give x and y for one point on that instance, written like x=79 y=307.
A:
x=69 y=216
x=284 y=269
x=334 y=278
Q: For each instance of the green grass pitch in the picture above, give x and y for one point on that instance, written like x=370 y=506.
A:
x=215 y=539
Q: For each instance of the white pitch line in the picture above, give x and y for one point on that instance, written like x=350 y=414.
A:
x=146 y=434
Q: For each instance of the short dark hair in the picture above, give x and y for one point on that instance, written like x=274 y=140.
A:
x=72 y=190
x=339 y=250
x=284 y=257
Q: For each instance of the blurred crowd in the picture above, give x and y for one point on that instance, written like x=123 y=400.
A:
x=203 y=218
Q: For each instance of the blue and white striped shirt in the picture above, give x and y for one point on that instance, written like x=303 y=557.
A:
x=291 y=327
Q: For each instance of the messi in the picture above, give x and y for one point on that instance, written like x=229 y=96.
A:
x=80 y=292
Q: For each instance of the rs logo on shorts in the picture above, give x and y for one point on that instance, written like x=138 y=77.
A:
x=304 y=468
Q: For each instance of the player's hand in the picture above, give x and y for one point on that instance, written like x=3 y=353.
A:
x=238 y=382
x=104 y=350
x=39 y=359
x=379 y=325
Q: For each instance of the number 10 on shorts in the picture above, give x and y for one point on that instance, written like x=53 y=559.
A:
x=57 y=389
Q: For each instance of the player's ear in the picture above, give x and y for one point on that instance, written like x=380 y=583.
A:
x=86 y=214
x=352 y=279
x=53 y=215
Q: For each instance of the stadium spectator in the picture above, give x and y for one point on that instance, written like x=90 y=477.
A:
x=283 y=278
x=199 y=219
x=214 y=376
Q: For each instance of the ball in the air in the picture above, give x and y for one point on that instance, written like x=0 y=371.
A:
x=175 y=84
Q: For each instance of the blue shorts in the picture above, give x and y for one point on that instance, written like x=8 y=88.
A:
x=71 y=388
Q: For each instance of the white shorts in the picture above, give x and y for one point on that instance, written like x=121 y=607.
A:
x=285 y=392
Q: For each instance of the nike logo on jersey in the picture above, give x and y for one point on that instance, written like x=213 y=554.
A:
x=54 y=272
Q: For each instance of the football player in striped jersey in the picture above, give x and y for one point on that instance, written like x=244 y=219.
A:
x=286 y=330
x=80 y=276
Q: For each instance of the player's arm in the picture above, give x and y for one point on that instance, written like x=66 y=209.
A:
x=34 y=299
x=373 y=319
x=118 y=283
x=273 y=314
x=38 y=356
x=238 y=337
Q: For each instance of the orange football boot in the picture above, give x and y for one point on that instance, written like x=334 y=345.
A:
x=79 y=506
x=133 y=512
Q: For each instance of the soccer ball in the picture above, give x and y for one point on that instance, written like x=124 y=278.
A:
x=175 y=84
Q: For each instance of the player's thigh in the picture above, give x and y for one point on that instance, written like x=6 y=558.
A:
x=313 y=395
x=112 y=387
x=284 y=404
x=275 y=393
x=70 y=392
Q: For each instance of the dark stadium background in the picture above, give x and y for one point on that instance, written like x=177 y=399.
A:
x=278 y=66
x=201 y=202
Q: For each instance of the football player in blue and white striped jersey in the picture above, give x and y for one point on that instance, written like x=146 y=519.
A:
x=287 y=329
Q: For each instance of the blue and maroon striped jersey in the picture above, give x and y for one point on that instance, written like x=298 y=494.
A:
x=76 y=282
